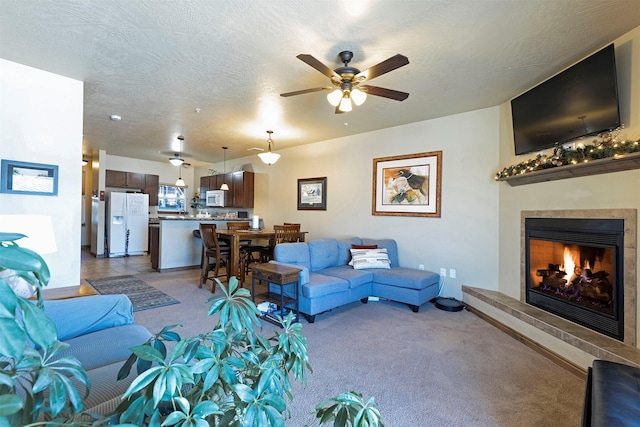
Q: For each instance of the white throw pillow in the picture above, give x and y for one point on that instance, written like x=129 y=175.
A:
x=369 y=258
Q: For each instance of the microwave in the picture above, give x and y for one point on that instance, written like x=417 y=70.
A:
x=215 y=198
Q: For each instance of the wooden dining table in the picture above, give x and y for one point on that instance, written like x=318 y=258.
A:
x=234 y=237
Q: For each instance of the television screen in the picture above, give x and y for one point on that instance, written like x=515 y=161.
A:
x=582 y=100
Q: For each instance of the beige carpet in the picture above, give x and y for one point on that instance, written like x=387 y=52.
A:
x=432 y=368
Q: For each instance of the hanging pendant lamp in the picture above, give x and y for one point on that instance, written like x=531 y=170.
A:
x=180 y=181
x=269 y=158
x=224 y=185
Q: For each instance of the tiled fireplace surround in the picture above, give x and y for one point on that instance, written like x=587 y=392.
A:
x=568 y=343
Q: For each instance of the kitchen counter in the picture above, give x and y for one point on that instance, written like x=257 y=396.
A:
x=177 y=246
x=196 y=218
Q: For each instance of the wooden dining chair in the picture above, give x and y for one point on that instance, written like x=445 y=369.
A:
x=246 y=249
x=286 y=233
x=213 y=256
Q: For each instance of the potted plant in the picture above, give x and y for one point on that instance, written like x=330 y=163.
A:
x=230 y=376
x=33 y=384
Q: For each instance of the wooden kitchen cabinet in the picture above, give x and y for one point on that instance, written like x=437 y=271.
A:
x=151 y=186
x=148 y=183
x=122 y=179
x=116 y=179
x=240 y=193
x=242 y=189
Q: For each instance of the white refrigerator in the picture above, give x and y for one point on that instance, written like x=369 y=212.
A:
x=127 y=223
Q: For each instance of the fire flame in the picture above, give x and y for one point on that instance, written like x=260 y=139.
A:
x=569 y=265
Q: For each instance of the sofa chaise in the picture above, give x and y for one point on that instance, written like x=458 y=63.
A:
x=328 y=281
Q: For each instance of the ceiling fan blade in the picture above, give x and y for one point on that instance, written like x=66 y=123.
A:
x=390 y=64
x=385 y=93
x=303 y=91
x=313 y=62
x=339 y=111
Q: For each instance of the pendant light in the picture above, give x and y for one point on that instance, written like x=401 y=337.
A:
x=224 y=185
x=177 y=160
x=269 y=158
x=180 y=181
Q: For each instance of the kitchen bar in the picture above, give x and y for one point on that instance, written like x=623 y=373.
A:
x=172 y=243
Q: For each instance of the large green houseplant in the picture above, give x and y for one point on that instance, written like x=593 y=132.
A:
x=230 y=376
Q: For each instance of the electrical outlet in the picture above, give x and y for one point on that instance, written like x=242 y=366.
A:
x=443 y=272
x=421 y=267
x=452 y=273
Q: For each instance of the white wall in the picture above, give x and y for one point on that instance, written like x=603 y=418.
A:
x=607 y=191
x=41 y=122
x=463 y=238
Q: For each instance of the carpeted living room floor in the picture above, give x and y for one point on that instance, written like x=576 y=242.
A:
x=432 y=368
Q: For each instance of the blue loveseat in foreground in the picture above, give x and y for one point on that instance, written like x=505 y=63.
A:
x=100 y=331
x=327 y=280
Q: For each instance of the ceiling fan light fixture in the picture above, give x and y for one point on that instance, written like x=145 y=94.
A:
x=345 y=104
x=176 y=161
x=269 y=158
x=358 y=96
x=180 y=182
x=334 y=97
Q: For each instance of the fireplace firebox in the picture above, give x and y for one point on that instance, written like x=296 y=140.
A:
x=573 y=268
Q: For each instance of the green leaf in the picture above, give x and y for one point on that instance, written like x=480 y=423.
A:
x=174 y=418
x=178 y=350
x=9 y=404
x=159 y=387
x=39 y=327
x=244 y=392
x=275 y=416
x=211 y=378
x=147 y=353
x=183 y=403
x=206 y=408
x=57 y=396
x=8 y=300
x=143 y=380
x=12 y=338
x=126 y=368
x=14 y=257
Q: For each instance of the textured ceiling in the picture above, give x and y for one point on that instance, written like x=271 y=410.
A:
x=154 y=62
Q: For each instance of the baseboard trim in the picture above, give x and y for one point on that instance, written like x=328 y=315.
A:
x=554 y=357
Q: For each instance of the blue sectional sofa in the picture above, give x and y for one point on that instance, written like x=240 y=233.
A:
x=328 y=281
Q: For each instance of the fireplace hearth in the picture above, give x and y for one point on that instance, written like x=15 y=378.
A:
x=574 y=269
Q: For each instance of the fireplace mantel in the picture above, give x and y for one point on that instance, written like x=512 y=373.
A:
x=594 y=167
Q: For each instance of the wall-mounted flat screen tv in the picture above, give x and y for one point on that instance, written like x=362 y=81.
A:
x=582 y=100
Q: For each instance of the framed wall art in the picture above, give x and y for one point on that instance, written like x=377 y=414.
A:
x=407 y=185
x=312 y=194
x=28 y=178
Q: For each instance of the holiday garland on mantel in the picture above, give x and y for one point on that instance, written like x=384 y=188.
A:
x=604 y=146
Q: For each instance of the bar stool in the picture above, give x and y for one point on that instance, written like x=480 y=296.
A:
x=211 y=249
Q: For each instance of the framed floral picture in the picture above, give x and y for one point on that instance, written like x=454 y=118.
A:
x=312 y=194
x=407 y=185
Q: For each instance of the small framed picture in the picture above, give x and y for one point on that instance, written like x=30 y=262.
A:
x=312 y=194
x=28 y=178
x=407 y=185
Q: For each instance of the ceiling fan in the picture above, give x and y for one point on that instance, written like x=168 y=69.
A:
x=347 y=81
